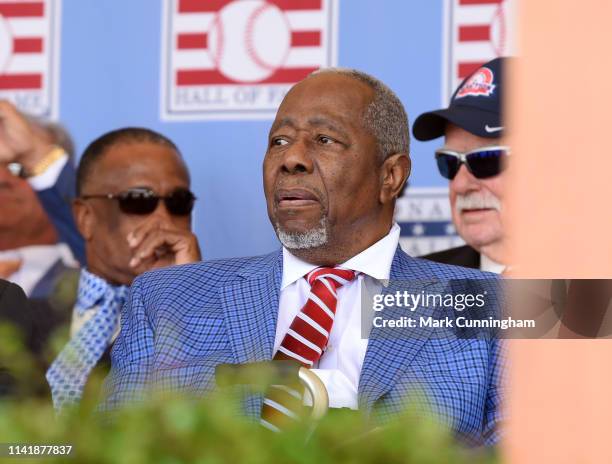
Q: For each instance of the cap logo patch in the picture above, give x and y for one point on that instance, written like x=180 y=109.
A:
x=479 y=85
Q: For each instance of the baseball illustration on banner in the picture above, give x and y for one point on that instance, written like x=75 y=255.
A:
x=6 y=44
x=499 y=41
x=236 y=59
x=249 y=40
x=29 y=46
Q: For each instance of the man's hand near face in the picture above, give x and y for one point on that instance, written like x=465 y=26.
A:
x=156 y=243
x=21 y=140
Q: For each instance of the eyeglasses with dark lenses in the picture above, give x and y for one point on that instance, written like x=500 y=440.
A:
x=141 y=200
x=482 y=163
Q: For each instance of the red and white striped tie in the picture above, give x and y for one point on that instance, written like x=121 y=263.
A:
x=305 y=340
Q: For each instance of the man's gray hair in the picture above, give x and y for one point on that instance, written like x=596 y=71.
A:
x=385 y=116
x=55 y=133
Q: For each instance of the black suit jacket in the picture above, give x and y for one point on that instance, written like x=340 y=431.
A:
x=56 y=202
x=11 y=296
x=13 y=305
x=35 y=321
x=464 y=256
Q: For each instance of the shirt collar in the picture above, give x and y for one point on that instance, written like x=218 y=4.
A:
x=375 y=261
x=41 y=255
x=487 y=264
x=36 y=261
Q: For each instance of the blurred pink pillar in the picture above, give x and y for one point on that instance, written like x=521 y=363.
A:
x=560 y=391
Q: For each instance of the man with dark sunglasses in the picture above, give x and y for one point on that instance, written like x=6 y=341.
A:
x=133 y=208
x=473 y=159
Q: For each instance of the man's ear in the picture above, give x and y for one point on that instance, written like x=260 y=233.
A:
x=83 y=217
x=395 y=173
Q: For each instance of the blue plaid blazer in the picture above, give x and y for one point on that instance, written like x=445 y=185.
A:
x=181 y=322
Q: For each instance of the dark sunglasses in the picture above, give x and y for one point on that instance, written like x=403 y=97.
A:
x=482 y=162
x=142 y=201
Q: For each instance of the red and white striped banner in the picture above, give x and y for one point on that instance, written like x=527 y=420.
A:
x=475 y=31
x=29 y=48
x=228 y=59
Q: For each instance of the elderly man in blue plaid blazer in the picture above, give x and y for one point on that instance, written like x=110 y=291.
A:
x=337 y=159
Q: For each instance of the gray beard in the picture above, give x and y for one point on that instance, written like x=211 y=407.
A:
x=303 y=240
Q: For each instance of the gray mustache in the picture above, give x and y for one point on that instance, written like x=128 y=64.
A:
x=477 y=201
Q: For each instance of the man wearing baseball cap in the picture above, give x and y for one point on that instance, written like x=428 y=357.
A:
x=473 y=158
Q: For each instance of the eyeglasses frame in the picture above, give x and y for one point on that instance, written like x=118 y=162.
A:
x=462 y=156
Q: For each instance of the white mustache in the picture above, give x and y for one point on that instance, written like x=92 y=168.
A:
x=477 y=201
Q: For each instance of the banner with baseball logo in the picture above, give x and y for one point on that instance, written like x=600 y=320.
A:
x=29 y=55
x=236 y=59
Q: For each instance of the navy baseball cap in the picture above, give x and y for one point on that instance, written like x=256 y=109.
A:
x=475 y=106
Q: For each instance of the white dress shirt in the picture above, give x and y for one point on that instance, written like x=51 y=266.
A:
x=340 y=366
x=36 y=261
x=488 y=265
x=48 y=178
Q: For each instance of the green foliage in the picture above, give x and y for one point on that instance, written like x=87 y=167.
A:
x=170 y=429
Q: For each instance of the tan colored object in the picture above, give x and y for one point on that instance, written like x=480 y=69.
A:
x=560 y=391
x=40 y=167
x=318 y=392
x=560 y=187
x=9 y=267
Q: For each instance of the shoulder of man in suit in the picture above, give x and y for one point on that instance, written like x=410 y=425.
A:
x=12 y=291
x=64 y=294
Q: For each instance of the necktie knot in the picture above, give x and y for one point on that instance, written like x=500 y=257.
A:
x=94 y=290
x=336 y=276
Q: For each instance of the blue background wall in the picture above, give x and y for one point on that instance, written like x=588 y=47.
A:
x=110 y=77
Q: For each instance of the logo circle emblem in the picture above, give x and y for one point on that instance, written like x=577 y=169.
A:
x=249 y=40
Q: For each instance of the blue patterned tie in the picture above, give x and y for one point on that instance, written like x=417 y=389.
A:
x=68 y=374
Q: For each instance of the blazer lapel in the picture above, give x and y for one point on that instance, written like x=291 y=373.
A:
x=251 y=310
x=389 y=354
